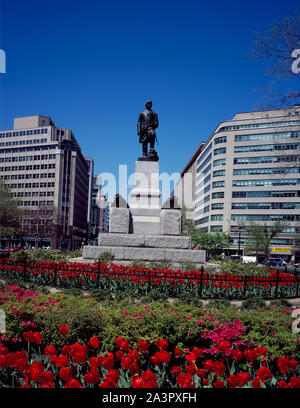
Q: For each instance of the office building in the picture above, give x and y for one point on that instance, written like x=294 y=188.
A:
x=247 y=172
x=47 y=172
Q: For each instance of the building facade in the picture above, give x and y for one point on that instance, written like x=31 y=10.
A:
x=99 y=220
x=48 y=174
x=247 y=173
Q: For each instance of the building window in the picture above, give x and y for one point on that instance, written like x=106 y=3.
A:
x=216 y=217
x=221 y=139
x=221 y=150
x=218 y=184
x=217 y=206
x=220 y=162
x=267 y=147
x=217 y=195
x=216 y=228
x=266 y=182
x=267 y=136
x=267 y=170
x=219 y=173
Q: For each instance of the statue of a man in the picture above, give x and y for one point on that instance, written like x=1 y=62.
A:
x=146 y=125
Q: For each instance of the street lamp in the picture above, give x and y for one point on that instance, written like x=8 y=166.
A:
x=240 y=229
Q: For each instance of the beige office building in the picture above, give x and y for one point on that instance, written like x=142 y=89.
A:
x=247 y=172
x=47 y=172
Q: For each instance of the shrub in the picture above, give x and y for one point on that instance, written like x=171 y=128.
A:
x=106 y=257
x=101 y=294
x=241 y=269
x=219 y=303
x=81 y=314
x=253 y=303
x=280 y=302
x=190 y=299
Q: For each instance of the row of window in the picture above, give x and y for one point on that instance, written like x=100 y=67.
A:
x=221 y=139
x=27 y=158
x=204 y=154
x=267 y=136
x=248 y=194
x=32 y=185
x=28 y=176
x=219 y=162
x=265 y=206
x=267 y=159
x=290 y=229
x=220 y=150
x=267 y=170
x=219 y=173
x=206 y=161
x=34 y=203
x=34 y=194
x=27 y=149
x=267 y=147
x=251 y=171
x=265 y=217
x=24 y=133
x=218 y=184
x=266 y=182
x=28 y=167
x=274 y=241
x=215 y=217
x=260 y=125
x=23 y=142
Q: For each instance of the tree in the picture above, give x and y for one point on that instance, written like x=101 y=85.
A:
x=277 y=47
x=260 y=237
x=10 y=214
x=214 y=243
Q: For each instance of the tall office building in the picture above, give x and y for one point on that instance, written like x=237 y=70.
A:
x=47 y=172
x=248 y=171
x=90 y=164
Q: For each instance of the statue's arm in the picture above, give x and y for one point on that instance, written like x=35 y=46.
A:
x=139 y=124
x=155 y=124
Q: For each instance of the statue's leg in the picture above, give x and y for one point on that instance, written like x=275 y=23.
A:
x=152 y=141
x=144 y=149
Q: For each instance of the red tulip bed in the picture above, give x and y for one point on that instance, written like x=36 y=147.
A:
x=81 y=366
x=218 y=355
x=141 y=280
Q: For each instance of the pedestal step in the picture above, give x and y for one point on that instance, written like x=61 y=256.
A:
x=146 y=254
x=151 y=241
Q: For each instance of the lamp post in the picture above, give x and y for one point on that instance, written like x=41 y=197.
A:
x=239 y=244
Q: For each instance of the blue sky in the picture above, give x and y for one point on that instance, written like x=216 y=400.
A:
x=91 y=65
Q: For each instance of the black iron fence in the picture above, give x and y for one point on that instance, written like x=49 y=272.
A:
x=276 y=284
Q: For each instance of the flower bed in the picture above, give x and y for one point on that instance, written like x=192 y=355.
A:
x=76 y=365
x=142 y=280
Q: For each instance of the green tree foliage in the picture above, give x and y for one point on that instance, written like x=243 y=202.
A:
x=259 y=237
x=10 y=214
x=214 y=243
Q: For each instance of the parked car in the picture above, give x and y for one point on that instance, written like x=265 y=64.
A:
x=15 y=249
x=276 y=262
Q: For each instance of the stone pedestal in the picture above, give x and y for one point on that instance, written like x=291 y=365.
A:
x=170 y=222
x=145 y=198
x=155 y=248
x=119 y=219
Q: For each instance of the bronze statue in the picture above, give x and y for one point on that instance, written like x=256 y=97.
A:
x=146 y=125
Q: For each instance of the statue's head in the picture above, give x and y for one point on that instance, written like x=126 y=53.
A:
x=148 y=104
